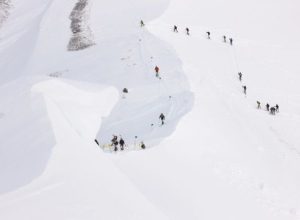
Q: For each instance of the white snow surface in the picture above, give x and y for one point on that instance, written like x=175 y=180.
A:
x=217 y=156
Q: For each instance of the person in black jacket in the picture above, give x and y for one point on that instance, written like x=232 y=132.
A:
x=245 y=89
x=122 y=143
x=175 y=29
x=208 y=35
x=162 y=118
x=187 y=31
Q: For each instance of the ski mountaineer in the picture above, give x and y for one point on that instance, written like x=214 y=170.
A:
x=240 y=76
x=258 y=104
x=224 y=39
x=142 y=23
x=122 y=143
x=273 y=109
x=156 y=71
x=267 y=106
x=245 y=89
x=175 y=29
x=277 y=107
x=114 y=142
x=231 y=41
x=143 y=146
x=187 y=31
x=208 y=35
x=162 y=118
x=125 y=91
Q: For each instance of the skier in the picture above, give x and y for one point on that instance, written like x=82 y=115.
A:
x=258 y=104
x=162 y=118
x=97 y=142
x=115 y=142
x=143 y=146
x=231 y=41
x=277 y=107
x=125 y=91
x=273 y=109
x=267 y=106
x=122 y=143
x=208 y=35
x=245 y=89
x=224 y=39
x=157 y=71
x=240 y=76
x=142 y=23
x=187 y=31
x=175 y=29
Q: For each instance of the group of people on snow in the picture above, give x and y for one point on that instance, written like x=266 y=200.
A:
x=187 y=30
x=175 y=29
x=270 y=109
x=115 y=142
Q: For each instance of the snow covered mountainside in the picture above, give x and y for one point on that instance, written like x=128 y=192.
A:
x=63 y=67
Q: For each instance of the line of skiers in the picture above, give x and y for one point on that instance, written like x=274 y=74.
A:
x=270 y=109
x=175 y=29
x=187 y=31
x=240 y=75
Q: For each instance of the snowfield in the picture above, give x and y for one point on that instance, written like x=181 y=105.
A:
x=63 y=66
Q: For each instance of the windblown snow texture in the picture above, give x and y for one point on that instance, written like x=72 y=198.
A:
x=81 y=32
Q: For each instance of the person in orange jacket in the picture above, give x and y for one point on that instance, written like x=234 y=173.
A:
x=157 y=71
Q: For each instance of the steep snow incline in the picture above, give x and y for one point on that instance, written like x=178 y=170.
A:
x=124 y=56
x=78 y=176
x=18 y=37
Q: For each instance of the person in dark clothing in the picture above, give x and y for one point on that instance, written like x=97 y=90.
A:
x=277 y=107
x=143 y=146
x=156 y=71
x=208 y=35
x=258 y=104
x=245 y=89
x=162 y=118
x=273 y=109
x=231 y=41
x=175 y=29
x=240 y=76
x=115 y=142
x=125 y=90
x=187 y=31
x=122 y=143
x=267 y=106
x=142 y=23
x=224 y=39
x=97 y=142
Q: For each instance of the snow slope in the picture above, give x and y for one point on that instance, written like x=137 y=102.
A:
x=218 y=157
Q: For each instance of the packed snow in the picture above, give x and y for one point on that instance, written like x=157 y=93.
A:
x=64 y=67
